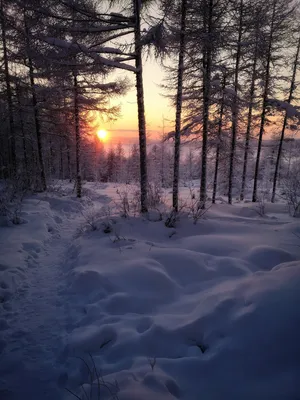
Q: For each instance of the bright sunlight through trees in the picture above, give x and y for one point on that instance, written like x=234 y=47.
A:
x=102 y=135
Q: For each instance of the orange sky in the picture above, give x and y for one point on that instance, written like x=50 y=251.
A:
x=157 y=107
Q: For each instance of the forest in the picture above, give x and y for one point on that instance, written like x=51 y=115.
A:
x=165 y=265
x=231 y=73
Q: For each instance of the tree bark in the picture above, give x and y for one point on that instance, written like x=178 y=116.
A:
x=61 y=159
x=140 y=105
x=220 y=124
x=235 y=104
x=265 y=99
x=69 y=159
x=12 y=140
x=23 y=133
x=77 y=135
x=249 y=118
x=292 y=88
x=179 y=105
x=35 y=110
x=207 y=62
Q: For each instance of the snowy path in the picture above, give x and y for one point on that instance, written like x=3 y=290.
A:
x=30 y=366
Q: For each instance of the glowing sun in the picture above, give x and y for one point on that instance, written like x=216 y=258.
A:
x=102 y=134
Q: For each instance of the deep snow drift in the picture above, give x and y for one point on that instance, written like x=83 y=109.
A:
x=198 y=311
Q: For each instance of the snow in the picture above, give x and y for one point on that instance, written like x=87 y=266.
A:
x=291 y=111
x=207 y=309
x=90 y=52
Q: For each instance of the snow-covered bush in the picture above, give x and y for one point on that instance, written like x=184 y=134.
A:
x=260 y=206
x=123 y=203
x=291 y=191
x=128 y=201
x=12 y=194
x=59 y=188
x=91 y=217
x=155 y=195
x=171 y=219
x=195 y=208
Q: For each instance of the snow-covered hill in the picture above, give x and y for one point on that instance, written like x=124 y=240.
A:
x=197 y=311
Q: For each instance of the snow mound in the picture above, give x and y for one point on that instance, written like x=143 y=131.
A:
x=186 y=344
x=236 y=212
x=217 y=245
x=87 y=281
x=267 y=257
x=163 y=317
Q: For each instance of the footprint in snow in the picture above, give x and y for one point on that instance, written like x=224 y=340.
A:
x=32 y=248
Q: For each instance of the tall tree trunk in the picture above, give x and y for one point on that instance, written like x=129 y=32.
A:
x=140 y=105
x=162 y=156
x=51 y=158
x=179 y=105
x=69 y=159
x=77 y=135
x=220 y=124
x=235 y=104
x=22 y=133
x=265 y=99
x=12 y=140
x=207 y=63
x=35 y=109
x=292 y=88
x=249 y=118
x=61 y=159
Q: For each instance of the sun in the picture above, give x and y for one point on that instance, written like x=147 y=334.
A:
x=102 y=134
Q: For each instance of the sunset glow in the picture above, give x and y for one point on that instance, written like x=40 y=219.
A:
x=102 y=135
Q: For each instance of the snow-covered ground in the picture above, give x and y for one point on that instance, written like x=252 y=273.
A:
x=207 y=311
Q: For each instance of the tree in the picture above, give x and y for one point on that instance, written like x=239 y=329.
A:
x=253 y=51
x=235 y=104
x=35 y=107
x=179 y=104
x=279 y=19
x=219 y=138
x=133 y=165
x=207 y=66
x=285 y=120
x=12 y=142
x=140 y=104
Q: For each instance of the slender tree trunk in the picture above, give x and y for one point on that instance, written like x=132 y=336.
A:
x=162 y=155
x=162 y=165
x=67 y=144
x=235 y=104
x=140 y=105
x=249 y=118
x=23 y=133
x=61 y=159
x=77 y=135
x=207 y=62
x=51 y=158
x=179 y=105
x=220 y=124
x=12 y=142
x=69 y=159
x=35 y=110
x=37 y=127
x=265 y=99
x=292 y=88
